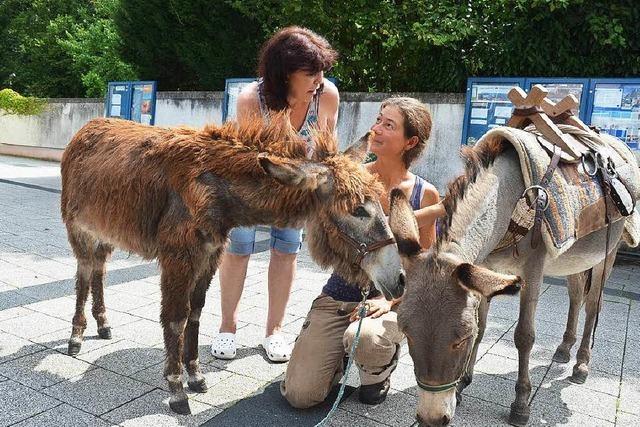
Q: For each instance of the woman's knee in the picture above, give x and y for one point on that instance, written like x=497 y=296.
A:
x=303 y=394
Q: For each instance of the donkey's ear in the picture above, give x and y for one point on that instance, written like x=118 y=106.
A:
x=284 y=172
x=306 y=176
x=359 y=149
x=403 y=224
x=484 y=281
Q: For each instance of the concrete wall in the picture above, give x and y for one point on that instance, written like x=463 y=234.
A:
x=56 y=126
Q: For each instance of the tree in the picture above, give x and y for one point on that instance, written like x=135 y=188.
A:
x=60 y=48
x=187 y=44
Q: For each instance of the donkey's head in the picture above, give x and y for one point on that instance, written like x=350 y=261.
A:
x=347 y=229
x=439 y=314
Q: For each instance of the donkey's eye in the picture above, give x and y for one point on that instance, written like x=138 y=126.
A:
x=458 y=345
x=360 y=212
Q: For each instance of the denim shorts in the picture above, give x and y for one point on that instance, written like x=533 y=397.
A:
x=242 y=240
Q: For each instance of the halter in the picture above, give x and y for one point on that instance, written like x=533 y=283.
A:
x=363 y=248
x=448 y=386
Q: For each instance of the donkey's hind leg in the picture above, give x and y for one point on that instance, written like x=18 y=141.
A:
x=102 y=253
x=576 y=286
x=85 y=247
x=593 y=304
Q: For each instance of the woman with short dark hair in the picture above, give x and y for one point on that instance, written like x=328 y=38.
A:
x=291 y=68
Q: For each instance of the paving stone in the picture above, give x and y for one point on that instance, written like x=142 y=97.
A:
x=21 y=277
x=18 y=402
x=497 y=328
x=12 y=299
x=229 y=391
x=124 y=357
x=62 y=308
x=403 y=379
x=542 y=414
x=597 y=380
x=98 y=391
x=12 y=347
x=505 y=309
x=494 y=389
x=141 y=331
x=140 y=288
x=343 y=418
x=627 y=420
x=476 y=412
x=258 y=316
x=607 y=356
x=253 y=363
x=32 y=325
x=154 y=375
x=59 y=341
x=294 y=327
x=630 y=395
x=575 y=398
x=149 y=311
x=253 y=335
x=398 y=408
x=44 y=369
x=64 y=415
x=153 y=410
x=122 y=301
x=508 y=368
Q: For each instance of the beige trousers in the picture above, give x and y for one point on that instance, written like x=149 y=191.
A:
x=317 y=357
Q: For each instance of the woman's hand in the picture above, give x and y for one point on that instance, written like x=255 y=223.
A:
x=377 y=307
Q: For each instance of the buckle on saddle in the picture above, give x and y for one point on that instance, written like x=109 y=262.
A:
x=541 y=195
x=590 y=163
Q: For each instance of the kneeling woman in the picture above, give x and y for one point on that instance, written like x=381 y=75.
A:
x=400 y=134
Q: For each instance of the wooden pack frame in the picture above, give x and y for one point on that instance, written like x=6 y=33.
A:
x=537 y=109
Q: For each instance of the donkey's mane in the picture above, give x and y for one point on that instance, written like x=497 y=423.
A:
x=276 y=137
x=476 y=160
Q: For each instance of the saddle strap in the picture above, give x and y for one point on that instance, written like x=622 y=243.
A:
x=541 y=201
x=606 y=186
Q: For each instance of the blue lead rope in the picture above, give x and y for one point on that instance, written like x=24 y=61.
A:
x=362 y=313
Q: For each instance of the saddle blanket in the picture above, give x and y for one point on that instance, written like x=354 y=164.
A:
x=576 y=200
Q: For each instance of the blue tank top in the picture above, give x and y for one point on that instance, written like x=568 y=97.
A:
x=310 y=120
x=338 y=288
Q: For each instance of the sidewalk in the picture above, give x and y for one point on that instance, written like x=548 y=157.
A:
x=119 y=381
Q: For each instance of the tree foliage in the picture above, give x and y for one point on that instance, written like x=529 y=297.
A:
x=60 y=48
x=72 y=47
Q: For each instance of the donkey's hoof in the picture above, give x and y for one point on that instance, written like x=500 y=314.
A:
x=198 y=386
x=519 y=416
x=180 y=404
x=105 y=333
x=74 y=347
x=580 y=373
x=561 y=356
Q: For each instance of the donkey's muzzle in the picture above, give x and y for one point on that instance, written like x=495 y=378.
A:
x=398 y=289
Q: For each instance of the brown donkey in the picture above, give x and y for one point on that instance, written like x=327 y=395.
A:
x=173 y=194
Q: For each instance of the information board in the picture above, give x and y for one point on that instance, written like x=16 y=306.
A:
x=560 y=87
x=487 y=105
x=132 y=101
x=118 y=100
x=615 y=108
